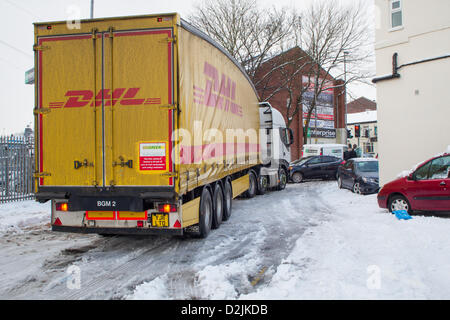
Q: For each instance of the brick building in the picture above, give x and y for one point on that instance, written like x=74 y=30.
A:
x=361 y=105
x=280 y=82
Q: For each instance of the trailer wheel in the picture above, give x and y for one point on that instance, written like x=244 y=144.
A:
x=228 y=199
x=253 y=185
x=206 y=213
x=218 y=206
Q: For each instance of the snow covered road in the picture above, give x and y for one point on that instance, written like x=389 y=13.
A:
x=311 y=241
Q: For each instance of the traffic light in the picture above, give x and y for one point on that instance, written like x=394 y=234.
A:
x=349 y=134
x=357 y=131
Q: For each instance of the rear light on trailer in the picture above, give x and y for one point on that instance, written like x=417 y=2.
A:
x=62 y=206
x=167 y=208
x=57 y=222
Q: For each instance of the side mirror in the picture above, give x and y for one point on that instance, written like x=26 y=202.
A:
x=411 y=177
x=291 y=136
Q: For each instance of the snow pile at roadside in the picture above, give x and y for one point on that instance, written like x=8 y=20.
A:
x=15 y=216
x=364 y=252
x=152 y=290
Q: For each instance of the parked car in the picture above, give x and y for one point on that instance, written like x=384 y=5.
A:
x=315 y=167
x=359 y=175
x=425 y=189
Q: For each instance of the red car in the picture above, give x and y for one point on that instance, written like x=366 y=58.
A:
x=426 y=189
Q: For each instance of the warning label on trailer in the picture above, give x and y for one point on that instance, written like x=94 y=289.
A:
x=152 y=157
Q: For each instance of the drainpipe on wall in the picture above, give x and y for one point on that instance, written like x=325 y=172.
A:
x=395 y=67
x=394 y=74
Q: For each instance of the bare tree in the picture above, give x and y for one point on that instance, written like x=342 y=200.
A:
x=249 y=33
x=283 y=74
x=337 y=39
x=325 y=31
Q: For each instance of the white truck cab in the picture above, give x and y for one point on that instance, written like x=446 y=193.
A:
x=275 y=142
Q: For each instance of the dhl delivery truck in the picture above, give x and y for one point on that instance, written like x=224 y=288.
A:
x=145 y=125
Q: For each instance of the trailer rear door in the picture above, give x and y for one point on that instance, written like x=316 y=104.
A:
x=68 y=74
x=106 y=108
x=138 y=125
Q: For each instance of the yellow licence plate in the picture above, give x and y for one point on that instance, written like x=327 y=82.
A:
x=160 y=220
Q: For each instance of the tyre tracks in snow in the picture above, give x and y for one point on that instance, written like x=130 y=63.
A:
x=262 y=231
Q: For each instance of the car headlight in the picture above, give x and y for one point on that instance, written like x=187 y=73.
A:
x=369 y=180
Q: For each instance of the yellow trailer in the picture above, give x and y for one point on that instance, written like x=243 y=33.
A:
x=143 y=125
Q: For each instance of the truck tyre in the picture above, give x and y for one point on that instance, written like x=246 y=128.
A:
x=253 y=185
x=205 y=213
x=228 y=200
x=282 y=179
x=218 y=206
x=262 y=185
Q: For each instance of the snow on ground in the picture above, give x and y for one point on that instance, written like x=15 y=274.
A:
x=152 y=290
x=359 y=252
x=16 y=216
x=364 y=252
x=311 y=241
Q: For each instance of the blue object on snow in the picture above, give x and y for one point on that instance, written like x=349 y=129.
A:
x=402 y=215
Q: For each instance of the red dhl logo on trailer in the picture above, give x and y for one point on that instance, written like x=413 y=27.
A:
x=120 y=96
x=218 y=93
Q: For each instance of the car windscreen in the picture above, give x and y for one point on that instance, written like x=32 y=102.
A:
x=367 y=166
x=301 y=161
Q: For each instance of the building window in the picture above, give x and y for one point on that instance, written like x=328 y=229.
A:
x=396 y=14
x=366 y=132
x=376 y=131
x=368 y=147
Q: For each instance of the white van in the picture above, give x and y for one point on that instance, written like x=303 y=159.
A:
x=335 y=150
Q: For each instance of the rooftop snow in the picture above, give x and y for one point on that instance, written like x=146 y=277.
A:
x=362 y=117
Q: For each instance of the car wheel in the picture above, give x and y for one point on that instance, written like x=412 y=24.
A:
x=399 y=203
x=357 y=188
x=339 y=182
x=297 y=177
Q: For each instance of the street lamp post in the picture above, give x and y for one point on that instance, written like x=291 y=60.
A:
x=345 y=87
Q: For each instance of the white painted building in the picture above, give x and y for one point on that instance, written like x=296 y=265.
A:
x=368 y=130
x=413 y=82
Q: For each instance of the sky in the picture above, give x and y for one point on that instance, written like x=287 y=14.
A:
x=16 y=43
